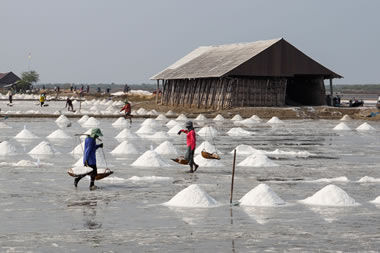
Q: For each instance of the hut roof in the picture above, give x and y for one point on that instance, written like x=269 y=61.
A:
x=275 y=57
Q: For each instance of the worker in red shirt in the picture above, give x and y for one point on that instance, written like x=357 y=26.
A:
x=127 y=110
x=191 y=143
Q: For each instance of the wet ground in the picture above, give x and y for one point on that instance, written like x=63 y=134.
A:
x=41 y=211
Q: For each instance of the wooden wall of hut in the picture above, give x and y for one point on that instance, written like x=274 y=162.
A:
x=220 y=93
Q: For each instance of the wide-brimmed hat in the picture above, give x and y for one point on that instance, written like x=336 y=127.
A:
x=95 y=132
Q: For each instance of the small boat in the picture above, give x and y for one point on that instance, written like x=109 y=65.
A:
x=208 y=155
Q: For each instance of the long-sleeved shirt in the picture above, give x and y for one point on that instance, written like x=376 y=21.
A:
x=126 y=108
x=190 y=138
x=90 y=148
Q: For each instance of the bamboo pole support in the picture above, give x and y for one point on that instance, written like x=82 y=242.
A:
x=233 y=176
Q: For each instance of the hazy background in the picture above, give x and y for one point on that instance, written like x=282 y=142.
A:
x=94 y=41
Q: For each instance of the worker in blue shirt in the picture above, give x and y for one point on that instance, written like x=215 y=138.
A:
x=89 y=156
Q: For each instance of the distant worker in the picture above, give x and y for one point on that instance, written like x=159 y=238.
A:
x=191 y=144
x=127 y=111
x=88 y=88
x=89 y=157
x=10 y=94
x=69 y=104
x=42 y=99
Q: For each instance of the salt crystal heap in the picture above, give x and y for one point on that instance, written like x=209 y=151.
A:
x=237 y=117
x=170 y=113
x=261 y=195
x=91 y=122
x=345 y=118
x=126 y=134
x=203 y=162
x=83 y=119
x=248 y=122
x=152 y=113
x=146 y=130
x=25 y=163
x=208 y=131
x=78 y=150
x=141 y=111
x=257 y=118
x=6 y=148
x=166 y=148
x=181 y=117
x=120 y=122
x=367 y=179
x=257 y=160
x=330 y=195
x=62 y=120
x=219 y=118
x=171 y=123
x=125 y=148
x=376 y=201
x=26 y=134
x=200 y=117
x=244 y=150
x=275 y=120
x=161 y=117
x=192 y=196
x=207 y=146
x=342 y=127
x=151 y=123
x=365 y=127
x=44 y=148
x=238 y=131
x=175 y=129
x=150 y=159
x=58 y=134
x=159 y=135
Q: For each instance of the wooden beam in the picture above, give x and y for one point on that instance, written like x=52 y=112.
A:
x=331 y=92
x=158 y=88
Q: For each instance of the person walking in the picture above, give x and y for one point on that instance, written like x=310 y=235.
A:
x=42 y=99
x=69 y=104
x=127 y=110
x=89 y=157
x=10 y=94
x=191 y=144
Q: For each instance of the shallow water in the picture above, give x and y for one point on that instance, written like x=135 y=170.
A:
x=41 y=211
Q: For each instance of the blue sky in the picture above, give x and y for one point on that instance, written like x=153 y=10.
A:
x=121 y=41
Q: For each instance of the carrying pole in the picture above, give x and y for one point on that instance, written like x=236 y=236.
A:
x=233 y=176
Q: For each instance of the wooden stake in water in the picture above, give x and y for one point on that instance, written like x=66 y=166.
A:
x=233 y=176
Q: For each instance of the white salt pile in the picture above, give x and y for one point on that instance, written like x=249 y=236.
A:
x=151 y=179
x=62 y=120
x=248 y=122
x=367 y=179
x=146 y=130
x=278 y=153
x=91 y=122
x=125 y=148
x=153 y=113
x=342 y=179
x=175 y=129
x=257 y=160
x=342 y=127
x=6 y=148
x=150 y=122
x=219 y=118
x=275 y=120
x=376 y=201
x=330 y=195
x=150 y=159
x=83 y=119
x=94 y=108
x=25 y=163
x=120 y=122
x=58 y=134
x=261 y=195
x=181 y=117
x=238 y=131
x=200 y=117
x=78 y=150
x=161 y=117
x=244 y=150
x=237 y=117
x=208 y=131
x=126 y=134
x=159 y=135
x=26 y=134
x=141 y=111
x=170 y=113
x=44 y=148
x=345 y=118
x=365 y=127
x=171 y=123
x=84 y=136
x=166 y=148
x=192 y=196
x=257 y=118
x=3 y=125
x=207 y=146
x=202 y=162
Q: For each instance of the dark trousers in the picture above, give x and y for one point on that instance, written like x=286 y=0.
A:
x=10 y=99
x=92 y=175
x=190 y=157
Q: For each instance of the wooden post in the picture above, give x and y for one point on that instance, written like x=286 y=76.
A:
x=233 y=176
x=331 y=92
x=158 y=88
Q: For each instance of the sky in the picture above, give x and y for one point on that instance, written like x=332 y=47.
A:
x=125 y=41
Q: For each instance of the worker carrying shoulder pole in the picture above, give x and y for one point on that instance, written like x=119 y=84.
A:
x=191 y=143
x=127 y=110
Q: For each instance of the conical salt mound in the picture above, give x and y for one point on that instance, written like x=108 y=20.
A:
x=261 y=195
x=330 y=195
x=94 y=108
x=275 y=120
x=84 y=136
x=91 y=122
x=62 y=120
x=346 y=118
x=257 y=118
x=3 y=125
x=161 y=117
x=203 y=162
x=192 y=196
x=6 y=148
x=237 y=117
x=208 y=131
x=150 y=159
x=126 y=134
x=171 y=123
x=207 y=146
x=141 y=111
x=244 y=150
x=153 y=113
x=257 y=160
x=170 y=113
x=166 y=148
x=151 y=123
x=83 y=119
x=26 y=134
x=248 y=122
x=125 y=148
x=146 y=130
x=159 y=135
x=58 y=134
x=181 y=117
x=365 y=127
x=200 y=117
x=342 y=127
x=175 y=129
x=78 y=150
x=120 y=122
x=238 y=131
x=219 y=118
x=376 y=201
x=44 y=148
x=25 y=163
